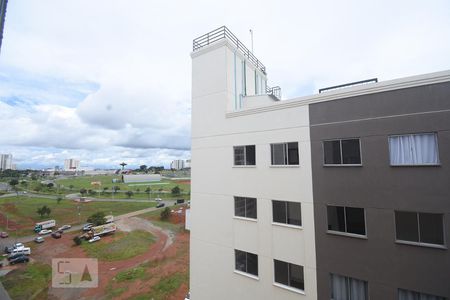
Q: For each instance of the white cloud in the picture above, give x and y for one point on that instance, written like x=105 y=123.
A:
x=102 y=77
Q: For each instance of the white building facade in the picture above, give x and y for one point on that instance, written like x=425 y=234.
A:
x=245 y=167
x=6 y=162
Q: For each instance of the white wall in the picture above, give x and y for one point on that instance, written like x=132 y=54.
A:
x=215 y=233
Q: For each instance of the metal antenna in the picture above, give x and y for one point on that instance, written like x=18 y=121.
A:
x=251 y=35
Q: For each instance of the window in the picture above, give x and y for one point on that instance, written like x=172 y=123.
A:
x=285 y=153
x=342 y=152
x=347 y=288
x=246 y=262
x=245 y=207
x=346 y=219
x=414 y=149
x=289 y=274
x=287 y=212
x=411 y=295
x=420 y=228
x=244 y=155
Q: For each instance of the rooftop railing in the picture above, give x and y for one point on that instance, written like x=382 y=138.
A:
x=372 y=80
x=224 y=33
x=274 y=91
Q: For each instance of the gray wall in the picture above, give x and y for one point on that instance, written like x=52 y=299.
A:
x=381 y=189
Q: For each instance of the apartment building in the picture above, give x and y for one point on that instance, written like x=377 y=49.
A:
x=338 y=195
x=6 y=162
x=71 y=164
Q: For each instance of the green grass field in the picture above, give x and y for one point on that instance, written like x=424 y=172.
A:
x=80 y=182
x=22 y=211
x=125 y=246
x=33 y=282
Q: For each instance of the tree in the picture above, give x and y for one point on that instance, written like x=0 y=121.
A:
x=176 y=190
x=44 y=210
x=123 y=164
x=129 y=194
x=138 y=190
x=97 y=219
x=77 y=240
x=50 y=185
x=59 y=199
x=83 y=192
x=165 y=214
x=13 y=182
x=71 y=187
x=143 y=168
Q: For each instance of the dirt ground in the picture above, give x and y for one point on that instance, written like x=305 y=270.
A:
x=167 y=256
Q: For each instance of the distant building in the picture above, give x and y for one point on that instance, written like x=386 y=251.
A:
x=177 y=164
x=180 y=164
x=71 y=164
x=5 y=162
x=3 y=4
x=141 y=178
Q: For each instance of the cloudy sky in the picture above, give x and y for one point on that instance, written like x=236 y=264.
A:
x=108 y=81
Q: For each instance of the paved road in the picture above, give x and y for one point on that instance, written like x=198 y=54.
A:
x=26 y=239
x=3 y=294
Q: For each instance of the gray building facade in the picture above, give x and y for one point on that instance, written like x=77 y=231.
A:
x=382 y=216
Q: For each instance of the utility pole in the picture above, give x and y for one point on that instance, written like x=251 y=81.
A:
x=251 y=36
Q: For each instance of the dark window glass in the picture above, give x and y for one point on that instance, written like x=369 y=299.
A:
x=412 y=295
x=296 y=279
x=407 y=227
x=245 y=207
x=289 y=274
x=278 y=154
x=281 y=272
x=250 y=155
x=250 y=208
x=350 y=152
x=294 y=213
x=239 y=155
x=332 y=152
x=252 y=264
x=431 y=228
x=293 y=153
x=336 y=218
x=240 y=260
x=347 y=288
x=239 y=206
x=279 y=211
x=355 y=220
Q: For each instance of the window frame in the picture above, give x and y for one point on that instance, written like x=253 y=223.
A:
x=341 y=156
x=346 y=233
x=438 y=164
x=288 y=287
x=419 y=243
x=245 y=165
x=246 y=273
x=286 y=214
x=245 y=208
x=285 y=154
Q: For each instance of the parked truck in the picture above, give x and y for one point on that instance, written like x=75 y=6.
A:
x=100 y=230
x=44 y=225
x=109 y=219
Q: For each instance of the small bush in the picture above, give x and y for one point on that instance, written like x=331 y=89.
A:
x=165 y=214
x=77 y=240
